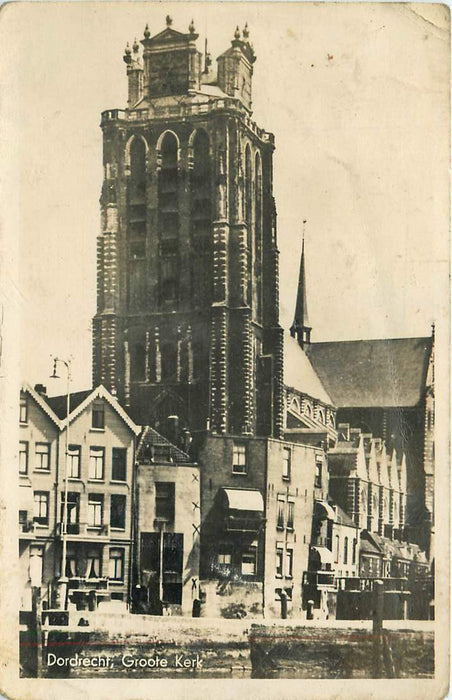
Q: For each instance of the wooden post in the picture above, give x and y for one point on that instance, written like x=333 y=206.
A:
x=37 y=624
x=378 y=605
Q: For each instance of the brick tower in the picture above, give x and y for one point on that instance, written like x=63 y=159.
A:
x=187 y=328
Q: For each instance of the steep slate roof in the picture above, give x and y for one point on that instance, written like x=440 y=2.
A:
x=58 y=403
x=155 y=447
x=80 y=400
x=360 y=373
x=299 y=372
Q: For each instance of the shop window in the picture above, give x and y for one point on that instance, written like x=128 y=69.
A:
x=239 y=458
x=119 y=464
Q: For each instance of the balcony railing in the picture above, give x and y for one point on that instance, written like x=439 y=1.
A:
x=88 y=584
x=233 y=523
x=319 y=579
x=84 y=530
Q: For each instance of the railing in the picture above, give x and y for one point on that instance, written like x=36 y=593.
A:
x=187 y=110
x=356 y=583
x=88 y=584
x=83 y=529
x=319 y=579
x=234 y=523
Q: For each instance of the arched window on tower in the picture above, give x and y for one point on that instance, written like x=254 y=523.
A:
x=249 y=222
x=169 y=362
x=258 y=237
x=201 y=220
x=168 y=221
x=136 y=223
x=137 y=362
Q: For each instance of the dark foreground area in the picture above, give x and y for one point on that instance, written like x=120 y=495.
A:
x=181 y=648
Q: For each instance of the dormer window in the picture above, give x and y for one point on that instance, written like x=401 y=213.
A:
x=98 y=416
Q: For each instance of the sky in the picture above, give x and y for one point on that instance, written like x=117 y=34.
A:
x=357 y=96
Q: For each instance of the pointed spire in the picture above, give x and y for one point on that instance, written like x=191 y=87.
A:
x=237 y=33
x=191 y=27
x=147 y=33
x=300 y=326
x=169 y=20
x=246 y=31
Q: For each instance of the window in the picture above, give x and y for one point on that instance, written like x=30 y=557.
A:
x=118 y=464
x=354 y=552
x=98 y=416
x=71 y=564
x=336 y=549
x=280 y=513
x=73 y=501
x=42 y=456
x=96 y=462
x=41 y=507
x=239 y=458
x=289 y=563
x=249 y=562
x=23 y=457
x=290 y=514
x=286 y=463
x=73 y=461
x=23 y=409
x=95 y=506
x=164 y=500
x=318 y=472
x=93 y=564
x=116 y=564
x=321 y=417
x=224 y=558
x=118 y=511
x=168 y=278
x=345 y=550
x=279 y=561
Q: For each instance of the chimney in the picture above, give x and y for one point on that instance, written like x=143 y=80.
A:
x=172 y=423
x=41 y=389
x=344 y=431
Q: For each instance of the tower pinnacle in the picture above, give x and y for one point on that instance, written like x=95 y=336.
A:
x=300 y=327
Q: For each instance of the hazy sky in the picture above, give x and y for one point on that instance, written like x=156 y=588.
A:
x=357 y=97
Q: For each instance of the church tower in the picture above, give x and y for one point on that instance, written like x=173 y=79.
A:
x=187 y=327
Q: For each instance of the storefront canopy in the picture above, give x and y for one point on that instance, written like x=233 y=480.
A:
x=244 y=499
x=326 y=556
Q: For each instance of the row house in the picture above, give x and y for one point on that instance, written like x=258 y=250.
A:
x=92 y=486
x=167 y=528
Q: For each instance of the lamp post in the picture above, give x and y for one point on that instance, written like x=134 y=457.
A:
x=63 y=581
